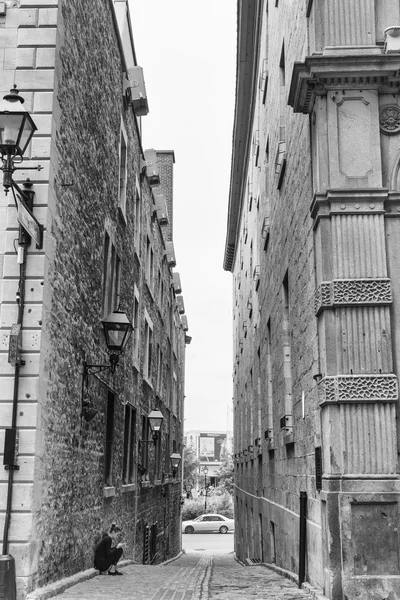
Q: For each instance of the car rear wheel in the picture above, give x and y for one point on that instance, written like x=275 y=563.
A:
x=223 y=529
x=189 y=529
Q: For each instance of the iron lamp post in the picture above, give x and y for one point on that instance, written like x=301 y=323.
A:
x=205 y=471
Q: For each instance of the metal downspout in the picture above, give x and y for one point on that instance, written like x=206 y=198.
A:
x=302 y=536
x=23 y=242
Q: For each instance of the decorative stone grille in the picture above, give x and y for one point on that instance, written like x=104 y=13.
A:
x=358 y=388
x=345 y=292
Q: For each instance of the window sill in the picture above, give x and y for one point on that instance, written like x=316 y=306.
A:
x=157 y=482
x=288 y=439
x=122 y=214
x=108 y=492
x=150 y=290
x=146 y=484
x=147 y=382
x=128 y=487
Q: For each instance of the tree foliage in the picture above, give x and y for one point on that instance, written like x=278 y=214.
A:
x=226 y=473
x=190 y=466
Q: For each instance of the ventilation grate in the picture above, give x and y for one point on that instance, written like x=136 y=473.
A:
x=253 y=561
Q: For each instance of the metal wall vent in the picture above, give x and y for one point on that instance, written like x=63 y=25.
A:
x=253 y=561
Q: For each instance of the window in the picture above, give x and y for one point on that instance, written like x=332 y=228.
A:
x=148 y=342
x=109 y=447
x=280 y=160
x=282 y=95
x=158 y=286
x=128 y=469
x=157 y=455
x=174 y=394
x=149 y=264
x=167 y=464
x=123 y=170
x=160 y=369
x=168 y=384
x=111 y=277
x=270 y=399
x=136 y=324
x=138 y=218
x=144 y=447
x=286 y=337
x=318 y=468
x=161 y=294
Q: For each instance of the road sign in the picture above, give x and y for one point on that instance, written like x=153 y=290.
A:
x=30 y=223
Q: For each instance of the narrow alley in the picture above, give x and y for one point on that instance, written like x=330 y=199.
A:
x=191 y=577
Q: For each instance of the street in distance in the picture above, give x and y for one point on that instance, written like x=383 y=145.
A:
x=208 y=524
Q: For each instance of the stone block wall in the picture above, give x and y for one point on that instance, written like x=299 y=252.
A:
x=315 y=324
x=67 y=60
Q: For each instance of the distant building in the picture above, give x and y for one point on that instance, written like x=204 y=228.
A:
x=86 y=454
x=210 y=446
x=313 y=238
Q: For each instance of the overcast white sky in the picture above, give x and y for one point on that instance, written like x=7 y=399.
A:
x=187 y=49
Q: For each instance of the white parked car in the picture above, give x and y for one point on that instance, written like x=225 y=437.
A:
x=208 y=524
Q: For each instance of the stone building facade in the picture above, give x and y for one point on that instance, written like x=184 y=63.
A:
x=312 y=240
x=107 y=243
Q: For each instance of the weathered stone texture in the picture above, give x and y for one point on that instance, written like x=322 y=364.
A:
x=313 y=231
x=78 y=106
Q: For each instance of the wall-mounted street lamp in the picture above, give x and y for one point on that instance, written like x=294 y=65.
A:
x=155 y=419
x=175 y=459
x=16 y=131
x=117 y=330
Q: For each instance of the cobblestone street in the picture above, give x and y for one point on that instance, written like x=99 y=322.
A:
x=191 y=577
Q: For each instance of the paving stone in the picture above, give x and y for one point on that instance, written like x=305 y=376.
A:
x=191 y=577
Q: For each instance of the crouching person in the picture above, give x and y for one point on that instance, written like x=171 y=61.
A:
x=109 y=551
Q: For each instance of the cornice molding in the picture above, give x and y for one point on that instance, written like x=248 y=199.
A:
x=320 y=73
x=248 y=39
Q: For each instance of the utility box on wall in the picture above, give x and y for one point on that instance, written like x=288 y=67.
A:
x=137 y=91
x=153 y=174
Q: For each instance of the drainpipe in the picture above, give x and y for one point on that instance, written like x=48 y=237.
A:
x=303 y=537
x=7 y=562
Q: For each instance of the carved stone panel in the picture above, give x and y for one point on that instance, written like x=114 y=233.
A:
x=353 y=130
x=346 y=292
x=358 y=388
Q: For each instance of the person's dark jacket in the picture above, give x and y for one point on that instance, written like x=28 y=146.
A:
x=105 y=556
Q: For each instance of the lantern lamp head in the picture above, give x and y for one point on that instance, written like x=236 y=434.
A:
x=16 y=125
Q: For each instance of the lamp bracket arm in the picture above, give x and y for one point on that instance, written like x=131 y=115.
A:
x=37 y=168
x=94 y=370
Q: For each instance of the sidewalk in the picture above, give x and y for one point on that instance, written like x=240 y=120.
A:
x=190 y=577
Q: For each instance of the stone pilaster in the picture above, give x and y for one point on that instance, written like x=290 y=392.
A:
x=27 y=58
x=358 y=389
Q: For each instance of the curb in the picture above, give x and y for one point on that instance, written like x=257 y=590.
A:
x=58 y=587
x=314 y=592
x=170 y=560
